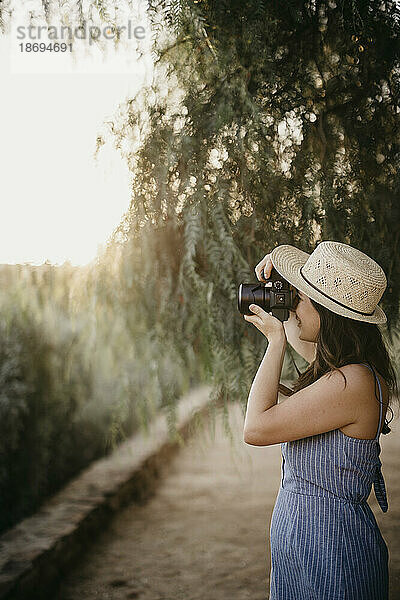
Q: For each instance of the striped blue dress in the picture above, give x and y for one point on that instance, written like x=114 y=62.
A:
x=325 y=541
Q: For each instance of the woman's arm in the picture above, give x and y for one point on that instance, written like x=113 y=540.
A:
x=322 y=406
x=264 y=389
x=305 y=349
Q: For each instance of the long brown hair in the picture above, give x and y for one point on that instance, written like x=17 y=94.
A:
x=342 y=341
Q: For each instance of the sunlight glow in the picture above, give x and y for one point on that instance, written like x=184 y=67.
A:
x=57 y=204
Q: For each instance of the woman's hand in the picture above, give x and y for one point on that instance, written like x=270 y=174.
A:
x=270 y=326
x=264 y=268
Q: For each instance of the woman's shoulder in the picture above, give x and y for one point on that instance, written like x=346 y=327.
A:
x=364 y=398
x=362 y=381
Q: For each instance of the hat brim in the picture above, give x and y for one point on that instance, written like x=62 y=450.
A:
x=288 y=261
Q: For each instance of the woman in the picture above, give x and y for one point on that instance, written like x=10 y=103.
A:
x=325 y=541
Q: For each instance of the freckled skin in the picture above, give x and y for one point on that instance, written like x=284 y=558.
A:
x=308 y=319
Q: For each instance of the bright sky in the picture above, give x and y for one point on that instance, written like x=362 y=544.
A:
x=56 y=202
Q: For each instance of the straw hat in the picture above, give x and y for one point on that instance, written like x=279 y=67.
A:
x=341 y=278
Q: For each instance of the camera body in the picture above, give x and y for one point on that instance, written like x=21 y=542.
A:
x=275 y=295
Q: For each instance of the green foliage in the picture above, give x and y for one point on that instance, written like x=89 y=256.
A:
x=268 y=123
x=79 y=371
x=43 y=381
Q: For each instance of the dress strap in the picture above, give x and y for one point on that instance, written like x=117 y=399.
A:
x=379 y=482
x=380 y=399
x=380 y=488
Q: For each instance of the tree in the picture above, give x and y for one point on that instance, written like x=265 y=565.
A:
x=268 y=122
x=280 y=125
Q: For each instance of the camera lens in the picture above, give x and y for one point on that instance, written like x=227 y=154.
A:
x=250 y=293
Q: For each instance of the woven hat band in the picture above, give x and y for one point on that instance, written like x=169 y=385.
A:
x=359 y=312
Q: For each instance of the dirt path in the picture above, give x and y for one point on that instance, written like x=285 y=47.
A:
x=205 y=533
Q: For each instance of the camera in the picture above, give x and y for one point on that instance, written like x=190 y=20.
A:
x=275 y=295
